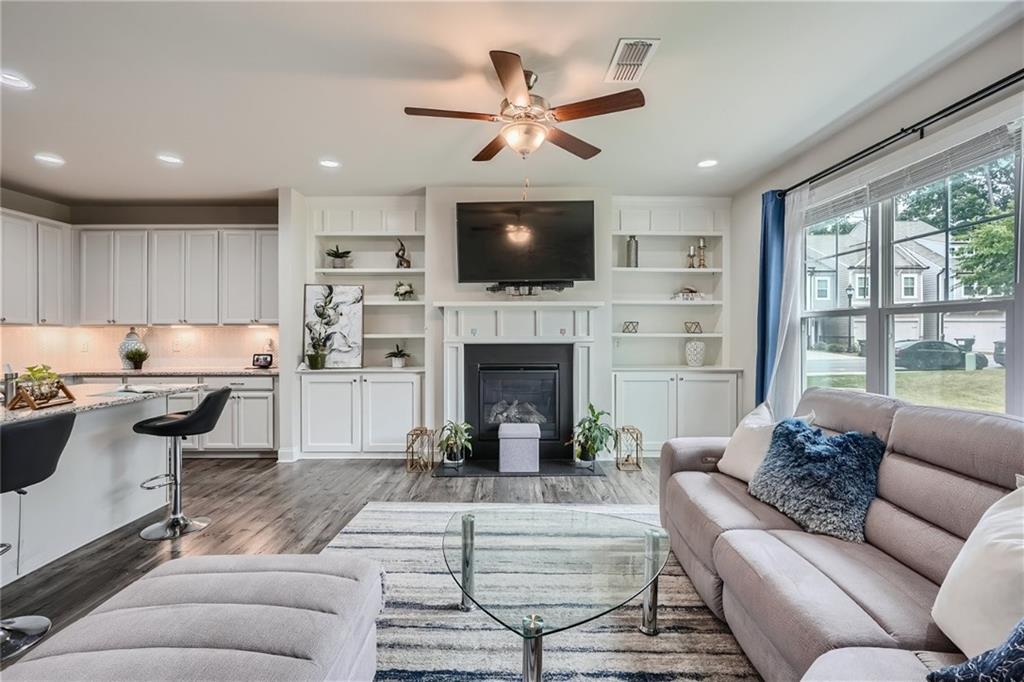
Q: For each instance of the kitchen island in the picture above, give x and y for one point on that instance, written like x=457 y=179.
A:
x=96 y=486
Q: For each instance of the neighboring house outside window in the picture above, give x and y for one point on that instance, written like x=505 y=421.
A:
x=909 y=287
x=860 y=285
x=822 y=290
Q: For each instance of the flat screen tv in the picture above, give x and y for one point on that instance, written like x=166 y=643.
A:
x=525 y=241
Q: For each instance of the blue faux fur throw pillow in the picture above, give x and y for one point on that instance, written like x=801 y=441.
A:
x=824 y=483
x=1005 y=663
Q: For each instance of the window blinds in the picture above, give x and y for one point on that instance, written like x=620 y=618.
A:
x=841 y=205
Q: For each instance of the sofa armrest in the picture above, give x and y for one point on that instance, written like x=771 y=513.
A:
x=690 y=454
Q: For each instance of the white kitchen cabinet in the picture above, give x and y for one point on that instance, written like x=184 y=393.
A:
x=19 y=271
x=255 y=421
x=647 y=400
x=238 y=277
x=669 y=404
x=51 y=274
x=183 y=277
x=330 y=413
x=266 y=276
x=114 y=274
x=706 y=404
x=391 y=408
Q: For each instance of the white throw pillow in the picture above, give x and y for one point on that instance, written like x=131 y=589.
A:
x=982 y=597
x=750 y=441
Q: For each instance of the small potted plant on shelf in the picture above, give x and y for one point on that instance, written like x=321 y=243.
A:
x=339 y=258
x=40 y=382
x=136 y=356
x=590 y=436
x=404 y=291
x=454 y=441
x=397 y=356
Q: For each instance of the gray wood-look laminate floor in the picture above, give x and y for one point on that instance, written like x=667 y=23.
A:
x=262 y=507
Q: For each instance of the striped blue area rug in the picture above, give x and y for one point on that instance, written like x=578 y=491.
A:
x=423 y=636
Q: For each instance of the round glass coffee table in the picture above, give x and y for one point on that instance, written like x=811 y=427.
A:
x=540 y=570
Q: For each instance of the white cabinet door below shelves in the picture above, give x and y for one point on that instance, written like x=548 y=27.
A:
x=51 y=275
x=391 y=408
x=707 y=404
x=17 y=271
x=330 y=412
x=255 y=421
x=647 y=400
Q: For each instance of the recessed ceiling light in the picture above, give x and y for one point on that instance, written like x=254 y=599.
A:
x=170 y=159
x=16 y=81
x=330 y=163
x=707 y=163
x=49 y=159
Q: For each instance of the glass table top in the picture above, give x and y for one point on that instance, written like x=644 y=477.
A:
x=564 y=566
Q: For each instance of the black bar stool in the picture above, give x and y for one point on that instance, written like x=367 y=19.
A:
x=176 y=426
x=29 y=452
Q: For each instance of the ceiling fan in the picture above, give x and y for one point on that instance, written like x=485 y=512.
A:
x=529 y=119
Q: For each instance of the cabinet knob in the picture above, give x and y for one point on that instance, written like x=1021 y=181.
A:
x=43 y=320
x=3 y=319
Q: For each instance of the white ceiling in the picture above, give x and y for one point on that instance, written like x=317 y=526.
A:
x=252 y=94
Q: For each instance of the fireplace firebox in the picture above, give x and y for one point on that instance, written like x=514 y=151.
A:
x=525 y=383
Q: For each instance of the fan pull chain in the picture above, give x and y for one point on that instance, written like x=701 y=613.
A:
x=526 y=187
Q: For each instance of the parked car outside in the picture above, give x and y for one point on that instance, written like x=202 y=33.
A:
x=929 y=355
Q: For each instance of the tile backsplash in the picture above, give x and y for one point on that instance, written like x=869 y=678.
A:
x=79 y=349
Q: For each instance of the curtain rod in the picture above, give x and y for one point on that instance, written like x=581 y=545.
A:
x=915 y=129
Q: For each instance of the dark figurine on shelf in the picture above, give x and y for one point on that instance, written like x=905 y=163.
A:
x=403 y=262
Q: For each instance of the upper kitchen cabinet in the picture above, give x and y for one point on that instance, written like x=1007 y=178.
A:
x=19 y=271
x=183 y=277
x=114 y=277
x=51 y=274
x=248 y=277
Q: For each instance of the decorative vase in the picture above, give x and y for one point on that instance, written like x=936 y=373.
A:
x=137 y=365
x=131 y=340
x=41 y=391
x=695 y=351
x=632 y=252
x=454 y=459
x=340 y=262
x=316 y=360
x=584 y=459
x=398 y=363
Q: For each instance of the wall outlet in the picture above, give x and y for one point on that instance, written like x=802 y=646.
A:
x=176 y=345
x=1020 y=480
x=85 y=347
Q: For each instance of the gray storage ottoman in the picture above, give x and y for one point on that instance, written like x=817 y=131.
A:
x=518 y=448
x=275 y=617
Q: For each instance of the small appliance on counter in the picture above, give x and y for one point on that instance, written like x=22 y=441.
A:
x=262 y=360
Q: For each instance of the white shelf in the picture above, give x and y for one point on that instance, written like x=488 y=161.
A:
x=396 y=335
x=527 y=302
x=708 y=271
x=368 y=271
x=662 y=301
x=677 y=368
x=358 y=370
x=364 y=233
x=390 y=301
x=665 y=335
x=664 y=233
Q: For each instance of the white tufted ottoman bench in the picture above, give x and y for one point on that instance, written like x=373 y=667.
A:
x=275 y=617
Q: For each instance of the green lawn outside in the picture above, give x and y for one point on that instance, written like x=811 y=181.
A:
x=981 y=390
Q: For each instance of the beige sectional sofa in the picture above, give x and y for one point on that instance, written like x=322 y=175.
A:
x=803 y=604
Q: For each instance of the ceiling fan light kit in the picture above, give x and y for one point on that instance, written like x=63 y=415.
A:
x=528 y=119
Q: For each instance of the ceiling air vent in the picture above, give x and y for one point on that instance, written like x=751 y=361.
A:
x=632 y=55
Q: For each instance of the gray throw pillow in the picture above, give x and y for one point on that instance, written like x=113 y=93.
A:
x=824 y=483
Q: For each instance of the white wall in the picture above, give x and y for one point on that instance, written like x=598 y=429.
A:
x=292 y=221
x=990 y=62
x=442 y=280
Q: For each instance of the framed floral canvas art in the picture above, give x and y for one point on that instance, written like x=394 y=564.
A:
x=333 y=324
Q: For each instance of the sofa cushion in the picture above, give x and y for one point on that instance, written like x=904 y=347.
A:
x=296 y=617
x=865 y=664
x=750 y=442
x=702 y=506
x=838 y=410
x=811 y=593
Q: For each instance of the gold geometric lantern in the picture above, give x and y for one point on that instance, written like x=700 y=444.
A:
x=629 y=449
x=419 y=449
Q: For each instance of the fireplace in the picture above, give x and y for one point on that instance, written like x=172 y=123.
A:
x=522 y=383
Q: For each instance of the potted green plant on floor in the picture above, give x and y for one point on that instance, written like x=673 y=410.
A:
x=339 y=258
x=454 y=441
x=590 y=436
x=136 y=356
x=398 y=357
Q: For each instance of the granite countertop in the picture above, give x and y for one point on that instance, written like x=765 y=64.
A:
x=90 y=397
x=175 y=372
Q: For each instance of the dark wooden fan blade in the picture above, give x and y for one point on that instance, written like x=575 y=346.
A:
x=445 y=113
x=492 y=148
x=513 y=81
x=620 y=101
x=572 y=144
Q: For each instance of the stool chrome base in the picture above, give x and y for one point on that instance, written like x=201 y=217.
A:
x=18 y=634
x=174 y=527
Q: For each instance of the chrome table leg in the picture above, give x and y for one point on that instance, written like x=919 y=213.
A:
x=649 y=610
x=468 y=541
x=533 y=648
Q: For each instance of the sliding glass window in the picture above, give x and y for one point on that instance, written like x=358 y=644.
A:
x=934 y=324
